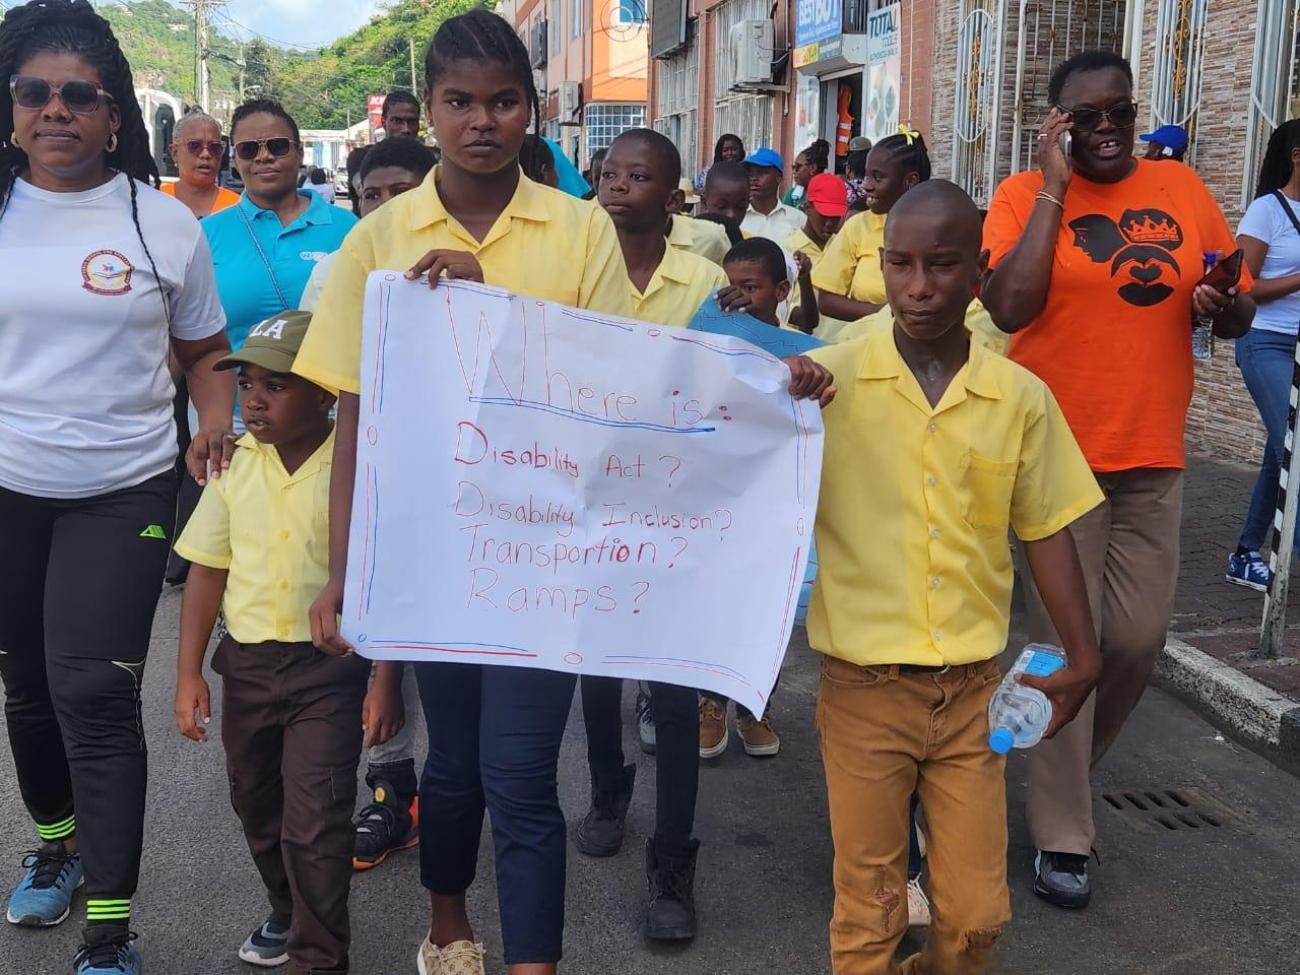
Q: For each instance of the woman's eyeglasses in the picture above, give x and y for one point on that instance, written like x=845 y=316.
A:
x=1122 y=116
x=278 y=147
x=195 y=148
x=78 y=97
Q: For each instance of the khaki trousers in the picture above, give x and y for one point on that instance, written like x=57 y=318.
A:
x=1129 y=549
x=884 y=735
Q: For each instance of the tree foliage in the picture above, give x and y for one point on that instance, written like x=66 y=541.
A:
x=323 y=89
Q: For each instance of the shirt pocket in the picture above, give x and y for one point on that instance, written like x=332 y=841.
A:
x=988 y=485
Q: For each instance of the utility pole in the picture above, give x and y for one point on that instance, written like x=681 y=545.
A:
x=415 y=85
x=202 y=89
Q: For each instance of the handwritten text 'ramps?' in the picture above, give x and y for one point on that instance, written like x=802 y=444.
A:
x=540 y=486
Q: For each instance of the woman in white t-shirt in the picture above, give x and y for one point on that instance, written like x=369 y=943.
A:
x=103 y=275
x=1270 y=240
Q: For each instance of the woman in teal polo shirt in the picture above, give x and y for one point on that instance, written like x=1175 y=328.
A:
x=265 y=248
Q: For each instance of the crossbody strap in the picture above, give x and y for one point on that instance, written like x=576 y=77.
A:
x=266 y=263
x=1285 y=204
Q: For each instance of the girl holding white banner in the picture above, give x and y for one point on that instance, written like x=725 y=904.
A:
x=494 y=732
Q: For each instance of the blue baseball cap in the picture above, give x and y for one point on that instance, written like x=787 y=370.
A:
x=1173 y=136
x=765 y=157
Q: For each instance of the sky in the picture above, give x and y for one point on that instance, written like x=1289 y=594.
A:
x=308 y=23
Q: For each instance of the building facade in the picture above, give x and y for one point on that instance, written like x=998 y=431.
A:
x=589 y=61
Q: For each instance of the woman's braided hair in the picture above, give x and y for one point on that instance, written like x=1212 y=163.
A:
x=481 y=35
x=73 y=27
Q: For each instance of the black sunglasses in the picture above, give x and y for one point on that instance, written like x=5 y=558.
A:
x=279 y=147
x=195 y=148
x=1122 y=116
x=78 y=97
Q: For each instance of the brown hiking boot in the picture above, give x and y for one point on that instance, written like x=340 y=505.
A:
x=713 y=727
x=758 y=736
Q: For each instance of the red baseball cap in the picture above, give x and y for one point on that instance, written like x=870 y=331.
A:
x=828 y=195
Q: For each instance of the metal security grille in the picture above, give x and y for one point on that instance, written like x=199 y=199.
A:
x=1176 y=74
x=1273 y=87
x=975 y=118
x=1047 y=32
x=748 y=115
x=677 y=98
x=604 y=123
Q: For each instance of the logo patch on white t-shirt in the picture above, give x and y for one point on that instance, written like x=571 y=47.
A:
x=107 y=273
x=314 y=256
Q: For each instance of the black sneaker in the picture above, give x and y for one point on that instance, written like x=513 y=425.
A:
x=268 y=946
x=671 y=914
x=600 y=834
x=1061 y=879
x=384 y=826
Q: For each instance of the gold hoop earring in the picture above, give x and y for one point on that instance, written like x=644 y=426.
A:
x=112 y=142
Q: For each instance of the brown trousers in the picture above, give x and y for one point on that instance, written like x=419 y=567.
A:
x=291 y=726
x=884 y=736
x=1129 y=549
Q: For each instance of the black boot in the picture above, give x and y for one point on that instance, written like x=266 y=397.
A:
x=671 y=915
x=600 y=834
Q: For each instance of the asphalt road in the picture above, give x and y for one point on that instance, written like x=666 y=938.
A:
x=1216 y=899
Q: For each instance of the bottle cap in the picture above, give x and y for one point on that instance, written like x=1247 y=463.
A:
x=1001 y=740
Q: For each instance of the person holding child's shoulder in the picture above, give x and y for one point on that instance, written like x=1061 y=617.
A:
x=934 y=449
x=291 y=717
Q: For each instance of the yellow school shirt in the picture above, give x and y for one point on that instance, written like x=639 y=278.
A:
x=850 y=264
x=702 y=237
x=545 y=244
x=800 y=243
x=270 y=530
x=680 y=285
x=978 y=322
x=916 y=501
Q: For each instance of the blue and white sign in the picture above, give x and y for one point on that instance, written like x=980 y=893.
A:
x=817 y=20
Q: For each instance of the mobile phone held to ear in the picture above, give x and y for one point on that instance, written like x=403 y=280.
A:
x=1225 y=274
x=1066 y=142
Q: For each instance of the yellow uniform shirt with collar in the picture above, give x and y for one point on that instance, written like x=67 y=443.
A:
x=680 y=285
x=978 y=322
x=269 y=530
x=916 y=502
x=545 y=244
x=850 y=265
x=800 y=243
x=703 y=238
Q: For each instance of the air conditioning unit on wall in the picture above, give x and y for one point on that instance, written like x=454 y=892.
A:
x=752 y=45
x=570 y=100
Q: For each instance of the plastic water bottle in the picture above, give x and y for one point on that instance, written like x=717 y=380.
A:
x=1203 y=326
x=1019 y=715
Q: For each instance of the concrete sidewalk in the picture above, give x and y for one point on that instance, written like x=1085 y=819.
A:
x=1214 y=636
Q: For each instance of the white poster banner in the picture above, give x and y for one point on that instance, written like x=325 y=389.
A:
x=540 y=486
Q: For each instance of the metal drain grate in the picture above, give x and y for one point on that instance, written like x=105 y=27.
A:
x=1182 y=810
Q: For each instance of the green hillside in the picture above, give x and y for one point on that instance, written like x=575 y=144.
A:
x=321 y=89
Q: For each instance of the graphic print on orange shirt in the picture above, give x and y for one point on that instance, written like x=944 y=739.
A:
x=1139 y=248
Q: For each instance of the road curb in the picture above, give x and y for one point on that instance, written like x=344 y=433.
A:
x=1238 y=703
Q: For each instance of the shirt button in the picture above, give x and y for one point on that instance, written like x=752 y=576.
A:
x=938 y=634
x=935 y=582
x=284 y=536
x=935 y=533
x=933 y=427
x=932 y=480
x=284 y=584
x=284 y=632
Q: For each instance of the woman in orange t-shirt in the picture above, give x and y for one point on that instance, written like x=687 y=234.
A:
x=1095 y=261
x=198 y=150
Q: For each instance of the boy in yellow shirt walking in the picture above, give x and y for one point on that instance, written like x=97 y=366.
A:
x=934 y=449
x=292 y=716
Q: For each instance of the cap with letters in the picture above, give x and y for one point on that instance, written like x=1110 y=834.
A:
x=272 y=344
